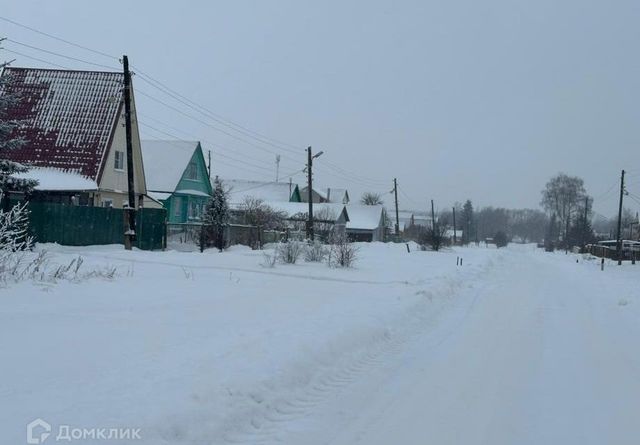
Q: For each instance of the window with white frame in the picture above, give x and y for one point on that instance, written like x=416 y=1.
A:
x=118 y=163
x=195 y=210
x=177 y=206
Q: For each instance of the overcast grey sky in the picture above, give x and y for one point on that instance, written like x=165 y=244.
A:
x=457 y=99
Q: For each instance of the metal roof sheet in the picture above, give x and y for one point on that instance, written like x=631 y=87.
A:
x=67 y=117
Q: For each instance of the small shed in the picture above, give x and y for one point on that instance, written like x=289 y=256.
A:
x=366 y=223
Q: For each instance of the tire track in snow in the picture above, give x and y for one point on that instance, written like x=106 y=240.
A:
x=266 y=422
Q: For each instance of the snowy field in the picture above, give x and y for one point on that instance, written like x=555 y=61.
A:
x=516 y=346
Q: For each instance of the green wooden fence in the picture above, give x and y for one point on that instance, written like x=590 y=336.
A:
x=83 y=226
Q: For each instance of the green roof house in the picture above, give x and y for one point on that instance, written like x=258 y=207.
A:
x=177 y=176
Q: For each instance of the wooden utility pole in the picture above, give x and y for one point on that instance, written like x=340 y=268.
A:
x=309 y=194
x=310 y=158
x=455 y=235
x=277 y=168
x=433 y=218
x=618 y=239
x=395 y=195
x=209 y=165
x=586 y=218
x=130 y=234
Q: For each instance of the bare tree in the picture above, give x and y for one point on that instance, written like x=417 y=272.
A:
x=257 y=213
x=342 y=253
x=435 y=236
x=371 y=199
x=562 y=196
x=324 y=222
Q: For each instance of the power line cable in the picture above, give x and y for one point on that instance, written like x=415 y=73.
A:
x=35 y=58
x=57 y=38
x=349 y=173
x=151 y=80
x=196 y=138
x=339 y=171
x=243 y=164
x=61 y=55
x=217 y=118
x=137 y=90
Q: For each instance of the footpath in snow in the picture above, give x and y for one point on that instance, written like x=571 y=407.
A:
x=517 y=346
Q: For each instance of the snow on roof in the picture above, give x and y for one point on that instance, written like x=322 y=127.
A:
x=192 y=192
x=159 y=196
x=240 y=189
x=304 y=191
x=56 y=179
x=364 y=217
x=67 y=117
x=322 y=210
x=337 y=194
x=165 y=161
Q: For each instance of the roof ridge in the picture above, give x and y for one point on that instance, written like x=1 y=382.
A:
x=24 y=68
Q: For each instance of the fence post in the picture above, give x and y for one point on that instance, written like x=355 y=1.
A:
x=602 y=264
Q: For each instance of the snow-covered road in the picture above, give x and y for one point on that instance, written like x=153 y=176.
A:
x=517 y=346
x=546 y=352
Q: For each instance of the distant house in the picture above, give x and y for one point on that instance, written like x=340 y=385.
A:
x=450 y=234
x=329 y=216
x=338 y=195
x=409 y=218
x=334 y=195
x=366 y=223
x=317 y=195
x=177 y=176
x=239 y=190
x=73 y=125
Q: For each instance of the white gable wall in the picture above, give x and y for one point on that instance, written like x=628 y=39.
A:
x=113 y=183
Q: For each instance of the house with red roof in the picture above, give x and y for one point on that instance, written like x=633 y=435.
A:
x=74 y=128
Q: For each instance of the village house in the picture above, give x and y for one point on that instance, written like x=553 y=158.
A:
x=317 y=195
x=366 y=223
x=329 y=218
x=177 y=176
x=334 y=195
x=239 y=190
x=338 y=195
x=74 y=128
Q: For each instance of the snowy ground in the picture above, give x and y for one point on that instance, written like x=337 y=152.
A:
x=517 y=346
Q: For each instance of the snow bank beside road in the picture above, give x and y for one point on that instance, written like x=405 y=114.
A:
x=190 y=346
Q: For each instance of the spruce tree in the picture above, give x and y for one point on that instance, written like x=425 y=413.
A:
x=467 y=222
x=8 y=141
x=216 y=215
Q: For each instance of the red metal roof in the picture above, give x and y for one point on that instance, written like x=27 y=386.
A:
x=67 y=117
